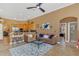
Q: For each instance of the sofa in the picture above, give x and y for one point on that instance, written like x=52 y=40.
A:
x=47 y=38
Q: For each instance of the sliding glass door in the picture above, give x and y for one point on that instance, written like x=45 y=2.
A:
x=70 y=31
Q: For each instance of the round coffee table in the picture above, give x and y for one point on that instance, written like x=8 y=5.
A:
x=38 y=43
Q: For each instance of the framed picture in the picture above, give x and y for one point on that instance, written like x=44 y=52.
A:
x=45 y=26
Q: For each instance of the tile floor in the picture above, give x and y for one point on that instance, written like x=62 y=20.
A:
x=58 y=50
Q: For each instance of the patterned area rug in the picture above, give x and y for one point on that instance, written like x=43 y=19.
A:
x=31 y=49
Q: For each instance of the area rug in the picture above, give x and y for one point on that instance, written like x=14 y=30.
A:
x=31 y=49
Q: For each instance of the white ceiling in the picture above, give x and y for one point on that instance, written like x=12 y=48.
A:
x=18 y=11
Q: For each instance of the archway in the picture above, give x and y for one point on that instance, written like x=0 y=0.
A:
x=68 y=27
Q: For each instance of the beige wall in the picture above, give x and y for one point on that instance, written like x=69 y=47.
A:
x=54 y=18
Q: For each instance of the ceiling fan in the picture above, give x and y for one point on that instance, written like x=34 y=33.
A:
x=37 y=6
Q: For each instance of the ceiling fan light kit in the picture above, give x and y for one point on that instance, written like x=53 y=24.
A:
x=37 y=6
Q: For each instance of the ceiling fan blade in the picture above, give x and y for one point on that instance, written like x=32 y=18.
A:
x=30 y=7
x=42 y=9
x=38 y=4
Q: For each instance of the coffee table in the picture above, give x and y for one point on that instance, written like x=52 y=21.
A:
x=37 y=42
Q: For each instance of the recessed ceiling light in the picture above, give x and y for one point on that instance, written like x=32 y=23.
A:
x=1 y=10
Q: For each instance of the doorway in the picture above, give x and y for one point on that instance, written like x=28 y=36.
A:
x=1 y=32
x=68 y=26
